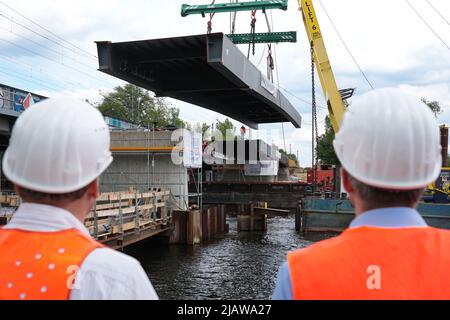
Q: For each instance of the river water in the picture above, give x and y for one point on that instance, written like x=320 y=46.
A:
x=237 y=265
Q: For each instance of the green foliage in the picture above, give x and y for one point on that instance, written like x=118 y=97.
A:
x=223 y=127
x=324 y=148
x=433 y=105
x=290 y=156
x=136 y=105
x=203 y=128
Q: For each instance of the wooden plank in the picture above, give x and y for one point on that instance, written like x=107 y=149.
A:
x=10 y=200
x=272 y=209
x=104 y=206
x=127 y=196
x=128 y=226
x=126 y=210
x=151 y=200
x=102 y=231
x=89 y=223
x=115 y=230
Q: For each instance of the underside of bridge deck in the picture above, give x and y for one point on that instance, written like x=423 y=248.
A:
x=206 y=70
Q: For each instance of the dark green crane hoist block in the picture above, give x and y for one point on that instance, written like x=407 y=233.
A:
x=265 y=37
x=187 y=9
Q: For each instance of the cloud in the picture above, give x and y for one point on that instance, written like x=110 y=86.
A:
x=434 y=92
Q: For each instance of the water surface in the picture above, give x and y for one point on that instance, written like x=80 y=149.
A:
x=238 y=265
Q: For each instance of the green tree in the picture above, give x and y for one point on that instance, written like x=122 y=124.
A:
x=324 y=148
x=434 y=106
x=202 y=127
x=290 y=156
x=134 y=104
x=223 y=127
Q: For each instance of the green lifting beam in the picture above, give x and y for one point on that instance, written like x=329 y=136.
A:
x=187 y=9
x=265 y=37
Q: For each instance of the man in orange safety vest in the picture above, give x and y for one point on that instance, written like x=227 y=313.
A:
x=58 y=150
x=389 y=149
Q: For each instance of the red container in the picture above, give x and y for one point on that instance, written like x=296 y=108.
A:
x=325 y=177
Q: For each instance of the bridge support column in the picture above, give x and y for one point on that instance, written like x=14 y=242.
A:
x=251 y=220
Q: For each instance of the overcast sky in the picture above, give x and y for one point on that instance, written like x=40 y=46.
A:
x=390 y=42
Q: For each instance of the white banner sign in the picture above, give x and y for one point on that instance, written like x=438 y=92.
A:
x=262 y=168
x=192 y=155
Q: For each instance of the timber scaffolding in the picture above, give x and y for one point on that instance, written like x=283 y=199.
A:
x=118 y=219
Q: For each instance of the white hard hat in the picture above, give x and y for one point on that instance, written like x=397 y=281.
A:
x=390 y=140
x=57 y=146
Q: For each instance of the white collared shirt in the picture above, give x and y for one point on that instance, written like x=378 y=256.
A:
x=105 y=274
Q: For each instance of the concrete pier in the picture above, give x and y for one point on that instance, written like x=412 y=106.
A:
x=252 y=220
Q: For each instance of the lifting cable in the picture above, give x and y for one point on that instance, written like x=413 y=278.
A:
x=252 y=44
x=346 y=47
x=211 y=16
x=427 y=24
x=437 y=11
x=233 y=19
x=270 y=63
x=315 y=133
x=278 y=76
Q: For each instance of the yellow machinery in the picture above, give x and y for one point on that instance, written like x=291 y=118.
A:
x=440 y=189
x=332 y=95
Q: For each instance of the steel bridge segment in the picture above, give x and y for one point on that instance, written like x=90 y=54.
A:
x=207 y=70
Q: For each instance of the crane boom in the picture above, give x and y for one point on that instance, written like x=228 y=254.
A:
x=333 y=98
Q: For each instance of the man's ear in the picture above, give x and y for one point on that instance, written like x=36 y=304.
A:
x=16 y=189
x=346 y=181
x=94 y=189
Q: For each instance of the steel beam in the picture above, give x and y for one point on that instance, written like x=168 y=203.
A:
x=265 y=37
x=187 y=9
x=205 y=70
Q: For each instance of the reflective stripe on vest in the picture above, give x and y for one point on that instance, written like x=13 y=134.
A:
x=41 y=265
x=374 y=263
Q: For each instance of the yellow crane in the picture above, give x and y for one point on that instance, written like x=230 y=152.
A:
x=331 y=93
x=440 y=189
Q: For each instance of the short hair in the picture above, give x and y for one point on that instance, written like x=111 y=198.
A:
x=42 y=197
x=375 y=197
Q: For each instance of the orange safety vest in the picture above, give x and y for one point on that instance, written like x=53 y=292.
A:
x=41 y=265
x=374 y=263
